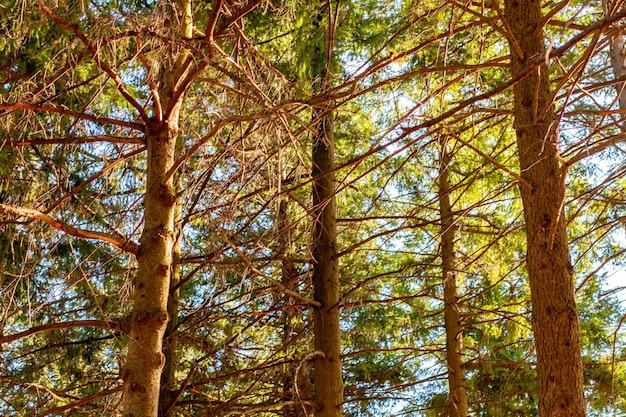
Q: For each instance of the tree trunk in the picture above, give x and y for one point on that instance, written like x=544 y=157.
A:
x=149 y=318
x=296 y=383
x=327 y=377
x=452 y=317
x=168 y=376
x=617 y=55
x=554 y=315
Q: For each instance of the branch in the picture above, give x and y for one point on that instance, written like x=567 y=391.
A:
x=94 y=53
x=554 y=53
x=71 y=140
x=94 y=177
x=101 y=324
x=81 y=402
x=237 y=16
x=212 y=133
x=67 y=112
x=124 y=244
x=598 y=147
x=488 y=158
x=279 y=284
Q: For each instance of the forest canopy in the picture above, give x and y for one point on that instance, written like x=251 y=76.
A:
x=329 y=208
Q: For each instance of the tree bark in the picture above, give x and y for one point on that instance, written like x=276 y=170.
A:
x=554 y=313
x=145 y=360
x=454 y=329
x=327 y=377
x=167 y=396
x=617 y=55
x=296 y=382
x=149 y=318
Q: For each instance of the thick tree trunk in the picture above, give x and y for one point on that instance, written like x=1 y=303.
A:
x=452 y=317
x=554 y=315
x=145 y=360
x=142 y=372
x=327 y=375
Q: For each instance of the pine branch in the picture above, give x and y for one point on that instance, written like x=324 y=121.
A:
x=67 y=112
x=124 y=244
x=102 y=324
x=81 y=402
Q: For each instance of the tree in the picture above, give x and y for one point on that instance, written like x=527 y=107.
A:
x=452 y=316
x=273 y=175
x=555 y=321
x=327 y=374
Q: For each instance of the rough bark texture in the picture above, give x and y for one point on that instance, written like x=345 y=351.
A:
x=452 y=317
x=327 y=375
x=142 y=372
x=168 y=376
x=296 y=383
x=617 y=54
x=554 y=316
x=619 y=66
x=145 y=359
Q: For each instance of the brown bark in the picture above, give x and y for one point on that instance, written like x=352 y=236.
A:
x=122 y=243
x=296 y=383
x=452 y=317
x=328 y=382
x=142 y=371
x=167 y=396
x=327 y=376
x=617 y=53
x=554 y=314
x=145 y=359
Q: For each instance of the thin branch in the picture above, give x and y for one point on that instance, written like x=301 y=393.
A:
x=94 y=53
x=124 y=244
x=95 y=176
x=67 y=112
x=554 y=53
x=216 y=129
x=100 y=324
x=82 y=401
x=280 y=285
x=71 y=140
x=491 y=160
x=597 y=148
x=210 y=29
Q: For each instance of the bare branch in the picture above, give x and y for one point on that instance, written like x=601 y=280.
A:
x=67 y=112
x=101 y=324
x=94 y=53
x=124 y=244
x=83 y=401
x=71 y=140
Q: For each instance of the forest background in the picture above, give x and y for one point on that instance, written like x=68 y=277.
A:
x=285 y=208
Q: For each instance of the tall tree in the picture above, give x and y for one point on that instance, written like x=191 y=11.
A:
x=156 y=255
x=617 y=53
x=554 y=314
x=452 y=316
x=327 y=375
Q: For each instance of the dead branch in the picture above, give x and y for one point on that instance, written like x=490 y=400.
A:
x=124 y=244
